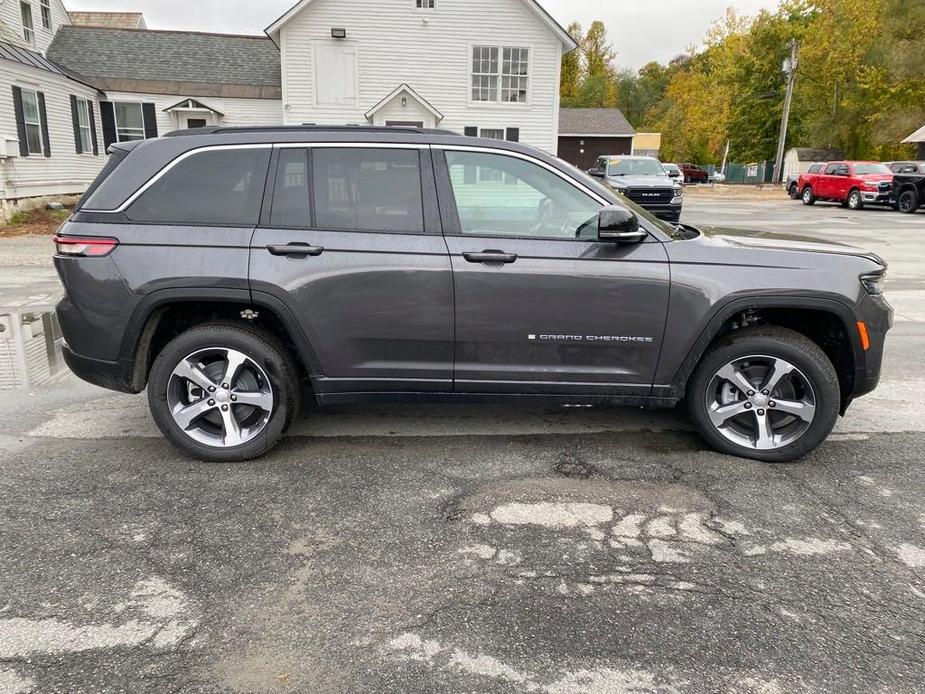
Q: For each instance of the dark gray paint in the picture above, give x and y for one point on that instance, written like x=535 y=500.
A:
x=378 y=313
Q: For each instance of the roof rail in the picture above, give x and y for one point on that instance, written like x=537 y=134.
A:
x=307 y=127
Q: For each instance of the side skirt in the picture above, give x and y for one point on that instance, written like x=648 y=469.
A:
x=327 y=399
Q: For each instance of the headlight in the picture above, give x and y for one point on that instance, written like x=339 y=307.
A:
x=678 y=191
x=873 y=282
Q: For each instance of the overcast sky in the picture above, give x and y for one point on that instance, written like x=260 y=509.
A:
x=641 y=30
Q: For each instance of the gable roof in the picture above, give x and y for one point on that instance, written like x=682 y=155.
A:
x=533 y=5
x=917 y=136
x=594 y=121
x=170 y=62
x=113 y=20
x=404 y=87
x=817 y=154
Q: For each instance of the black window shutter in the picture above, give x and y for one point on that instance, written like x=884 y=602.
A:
x=513 y=135
x=75 y=121
x=109 y=123
x=150 y=116
x=43 y=118
x=20 y=122
x=471 y=131
x=96 y=145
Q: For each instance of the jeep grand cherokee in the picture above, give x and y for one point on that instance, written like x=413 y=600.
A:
x=224 y=269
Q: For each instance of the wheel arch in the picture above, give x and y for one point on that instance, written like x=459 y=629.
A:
x=829 y=323
x=164 y=313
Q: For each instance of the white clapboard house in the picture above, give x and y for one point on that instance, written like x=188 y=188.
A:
x=75 y=85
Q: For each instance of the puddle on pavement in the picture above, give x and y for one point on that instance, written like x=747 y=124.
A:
x=30 y=349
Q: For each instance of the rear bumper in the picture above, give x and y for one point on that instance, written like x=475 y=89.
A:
x=112 y=375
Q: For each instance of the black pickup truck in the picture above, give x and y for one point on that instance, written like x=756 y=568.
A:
x=908 y=193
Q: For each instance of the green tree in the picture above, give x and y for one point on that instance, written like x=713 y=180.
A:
x=571 y=77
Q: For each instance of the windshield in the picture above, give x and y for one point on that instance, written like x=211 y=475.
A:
x=861 y=169
x=634 y=167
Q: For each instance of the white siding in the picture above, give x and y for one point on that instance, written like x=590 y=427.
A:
x=431 y=51
x=236 y=111
x=65 y=171
x=11 y=21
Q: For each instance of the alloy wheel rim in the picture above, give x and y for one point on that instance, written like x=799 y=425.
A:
x=807 y=195
x=854 y=200
x=220 y=397
x=906 y=202
x=760 y=402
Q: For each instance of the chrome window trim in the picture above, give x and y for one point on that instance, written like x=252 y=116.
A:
x=351 y=145
x=526 y=157
x=166 y=169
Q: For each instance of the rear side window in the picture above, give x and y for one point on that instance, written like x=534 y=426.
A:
x=367 y=189
x=290 y=193
x=219 y=187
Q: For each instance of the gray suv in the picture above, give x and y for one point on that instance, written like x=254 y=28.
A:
x=230 y=269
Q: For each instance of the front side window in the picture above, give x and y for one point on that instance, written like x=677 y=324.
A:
x=130 y=121
x=359 y=189
x=221 y=187
x=500 y=73
x=513 y=197
x=83 y=123
x=290 y=193
x=46 y=13
x=33 y=121
x=28 y=30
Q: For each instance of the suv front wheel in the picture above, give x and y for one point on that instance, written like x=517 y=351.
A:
x=223 y=392
x=767 y=393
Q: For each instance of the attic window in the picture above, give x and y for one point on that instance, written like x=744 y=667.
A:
x=45 y=6
x=28 y=30
x=424 y=4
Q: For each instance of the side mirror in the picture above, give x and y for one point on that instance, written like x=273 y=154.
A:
x=615 y=223
x=595 y=172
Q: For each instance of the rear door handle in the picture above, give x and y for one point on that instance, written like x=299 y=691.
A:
x=296 y=249
x=490 y=256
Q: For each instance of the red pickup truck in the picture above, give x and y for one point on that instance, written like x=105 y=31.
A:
x=852 y=183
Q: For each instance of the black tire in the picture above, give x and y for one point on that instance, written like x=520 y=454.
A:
x=782 y=343
x=687 y=179
x=793 y=191
x=855 y=201
x=908 y=201
x=807 y=196
x=265 y=349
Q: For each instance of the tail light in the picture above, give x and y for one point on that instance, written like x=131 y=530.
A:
x=85 y=246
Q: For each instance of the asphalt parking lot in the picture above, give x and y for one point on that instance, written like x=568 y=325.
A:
x=470 y=549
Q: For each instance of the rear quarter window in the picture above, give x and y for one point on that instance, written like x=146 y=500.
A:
x=220 y=187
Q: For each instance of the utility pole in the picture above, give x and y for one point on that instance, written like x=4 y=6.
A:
x=790 y=67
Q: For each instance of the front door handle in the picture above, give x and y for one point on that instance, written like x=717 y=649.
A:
x=490 y=256
x=296 y=250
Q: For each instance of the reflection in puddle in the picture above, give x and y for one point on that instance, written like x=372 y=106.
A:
x=30 y=349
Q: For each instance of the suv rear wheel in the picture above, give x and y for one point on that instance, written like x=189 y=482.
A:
x=769 y=394
x=223 y=392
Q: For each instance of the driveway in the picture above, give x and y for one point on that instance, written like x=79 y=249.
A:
x=469 y=549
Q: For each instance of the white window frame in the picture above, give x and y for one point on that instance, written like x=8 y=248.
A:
x=28 y=32
x=115 y=118
x=499 y=75
x=424 y=4
x=85 y=130
x=45 y=10
x=27 y=94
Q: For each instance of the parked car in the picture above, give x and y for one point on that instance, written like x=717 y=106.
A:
x=693 y=173
x=852 y=183
x=906 y=167
x=673 y=171
x=644 y=181
x=225 y=269
x=908 y=193
x=791 y=185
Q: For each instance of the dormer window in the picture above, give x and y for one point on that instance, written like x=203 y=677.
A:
x=424 y=4
x=45 y=6
x=28 y=30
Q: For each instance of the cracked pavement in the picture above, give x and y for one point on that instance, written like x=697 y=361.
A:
x=471 y=549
